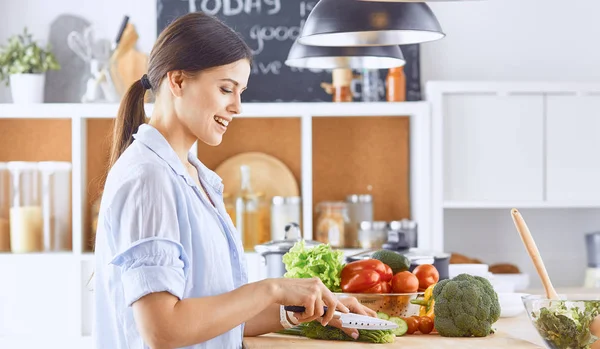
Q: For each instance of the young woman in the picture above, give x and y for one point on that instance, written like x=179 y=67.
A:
x=170 y=268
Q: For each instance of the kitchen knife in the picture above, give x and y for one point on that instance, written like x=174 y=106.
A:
x=351 y=320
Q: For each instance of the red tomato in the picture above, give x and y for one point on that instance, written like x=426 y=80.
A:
x=427 y=275
x=412 y=323
x=405 y=282
x=425 y=325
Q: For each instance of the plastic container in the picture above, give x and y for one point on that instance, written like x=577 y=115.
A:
x=4 y=208
x=26 y=222
x=56 y=205
x=360 y=208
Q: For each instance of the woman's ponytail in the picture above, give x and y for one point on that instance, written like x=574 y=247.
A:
x=131 y=115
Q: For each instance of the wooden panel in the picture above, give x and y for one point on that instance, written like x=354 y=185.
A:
x=573 y=167
x=279 y=137
x=351 y=155
x=99 y=132
x=493 y=148
x=35 y=140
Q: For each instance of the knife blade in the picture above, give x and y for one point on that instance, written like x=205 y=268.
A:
x=351 y=320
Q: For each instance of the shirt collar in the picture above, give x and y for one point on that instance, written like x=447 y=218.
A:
x=155 y=141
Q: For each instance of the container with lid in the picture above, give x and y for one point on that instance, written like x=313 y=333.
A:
x=272 y=252
x=284 y=209
x=372 y=234
x=360 y=209
x=404 y=233
x=331 y=223
x=26 y=222
x=4 y=208
x=56 y=205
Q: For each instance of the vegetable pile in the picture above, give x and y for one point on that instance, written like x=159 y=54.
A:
x=315 y=330
x=564 y=327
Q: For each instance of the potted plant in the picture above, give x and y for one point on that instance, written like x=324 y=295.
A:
x=23 y=64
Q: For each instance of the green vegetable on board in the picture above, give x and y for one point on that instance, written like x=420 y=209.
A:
x=465 y=306
x=315 y=330
x=319 y=261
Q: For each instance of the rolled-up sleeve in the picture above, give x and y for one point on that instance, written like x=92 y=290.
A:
x=147 y=240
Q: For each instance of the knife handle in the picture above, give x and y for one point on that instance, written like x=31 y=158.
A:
x=299 y=309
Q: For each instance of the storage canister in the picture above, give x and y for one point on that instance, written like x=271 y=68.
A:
x=4 y=208
x=284 y=209
x=360 y=209
x=56 y=205
x=26 y=223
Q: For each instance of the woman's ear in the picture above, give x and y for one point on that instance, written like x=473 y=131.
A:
x=175 y=82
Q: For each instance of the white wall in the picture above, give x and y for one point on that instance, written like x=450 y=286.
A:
x=490 y=39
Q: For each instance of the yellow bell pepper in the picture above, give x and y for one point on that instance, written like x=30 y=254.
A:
x=427 y=303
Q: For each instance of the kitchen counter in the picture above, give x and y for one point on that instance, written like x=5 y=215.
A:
x=517 y=332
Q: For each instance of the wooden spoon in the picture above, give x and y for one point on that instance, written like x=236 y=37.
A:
x=533 y=253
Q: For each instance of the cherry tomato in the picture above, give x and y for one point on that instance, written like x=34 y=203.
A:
x=405 y=282
x=425 y=325
x=427 y=275
x=413 y=325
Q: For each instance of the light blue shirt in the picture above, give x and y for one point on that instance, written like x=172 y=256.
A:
x=157 y=232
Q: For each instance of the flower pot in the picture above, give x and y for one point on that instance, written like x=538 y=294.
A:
x=27 y=88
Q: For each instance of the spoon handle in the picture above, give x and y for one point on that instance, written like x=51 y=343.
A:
x=534 y=253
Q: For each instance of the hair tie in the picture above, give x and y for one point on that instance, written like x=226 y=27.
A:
x=146 y=82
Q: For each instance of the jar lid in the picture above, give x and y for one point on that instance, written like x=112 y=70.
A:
x=22 y=165
x=362 y=198
x=377 y=225
x=402 y=224
x=285 y=200
x=50 y=166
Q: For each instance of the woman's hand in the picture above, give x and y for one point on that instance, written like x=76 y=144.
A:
x=309 y=293
x=355 y=307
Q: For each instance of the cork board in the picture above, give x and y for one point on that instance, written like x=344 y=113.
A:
x=99 y=132
x=360 y=155
x=279 y=137
x=29 y=140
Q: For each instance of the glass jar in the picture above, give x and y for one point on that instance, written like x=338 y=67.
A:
x=331 y=223
x=360 y=208
x=372 y=235
x=26 y=222
x=251 y=213
x=56 y=205
x=284 y=210
x=4 y=208
x=229 y=202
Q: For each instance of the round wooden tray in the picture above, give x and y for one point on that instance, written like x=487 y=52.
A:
x=268 y=175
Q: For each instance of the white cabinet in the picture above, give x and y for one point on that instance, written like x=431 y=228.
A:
x=493 y=147
x=573 y=141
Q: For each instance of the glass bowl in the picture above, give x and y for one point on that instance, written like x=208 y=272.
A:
x=392 y=304
x=572 y=321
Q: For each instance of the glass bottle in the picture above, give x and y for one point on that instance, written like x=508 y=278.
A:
x=250 y=213
x=26 y=222
x=331 y=223
x=396 y=85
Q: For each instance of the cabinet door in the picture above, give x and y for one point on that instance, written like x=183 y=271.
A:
x=493 y=148
x=573 y=138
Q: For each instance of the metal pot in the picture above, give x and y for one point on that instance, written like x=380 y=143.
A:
x=272 y=252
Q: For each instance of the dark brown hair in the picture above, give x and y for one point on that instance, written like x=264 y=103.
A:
x=192 y=43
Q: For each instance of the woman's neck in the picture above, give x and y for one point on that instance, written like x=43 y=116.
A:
x=174 y=132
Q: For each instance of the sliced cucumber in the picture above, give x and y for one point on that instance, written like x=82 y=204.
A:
x=402 y=326
x=382 y=316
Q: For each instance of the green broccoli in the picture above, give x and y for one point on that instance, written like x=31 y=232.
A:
x=315 y=330
x=465 y=306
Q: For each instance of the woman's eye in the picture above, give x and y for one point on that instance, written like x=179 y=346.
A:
x=224 y=90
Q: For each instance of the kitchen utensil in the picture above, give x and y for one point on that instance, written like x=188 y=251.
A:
x=351 y=320
x=592 y=273
x=78 y=43
x=269 y=175
x=534 y=253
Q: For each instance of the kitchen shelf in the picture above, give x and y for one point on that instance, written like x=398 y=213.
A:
x=517 y=204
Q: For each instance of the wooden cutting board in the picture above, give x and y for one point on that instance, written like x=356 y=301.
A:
x=498 y=340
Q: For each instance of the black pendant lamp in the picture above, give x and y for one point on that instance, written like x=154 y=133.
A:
x=327 y=57
x=366 y=23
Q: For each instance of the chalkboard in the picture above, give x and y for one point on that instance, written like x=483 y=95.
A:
x=270 y=27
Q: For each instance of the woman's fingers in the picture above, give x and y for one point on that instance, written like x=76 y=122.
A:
x=332 y=303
